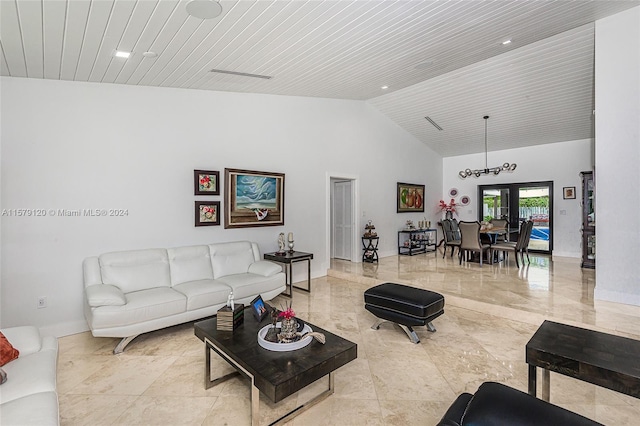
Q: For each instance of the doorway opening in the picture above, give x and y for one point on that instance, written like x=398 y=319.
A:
x=518 y=202
x=342 y=218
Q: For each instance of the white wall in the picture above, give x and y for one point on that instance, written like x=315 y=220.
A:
x=617 y=70
x=558 y=162
x=68 y=145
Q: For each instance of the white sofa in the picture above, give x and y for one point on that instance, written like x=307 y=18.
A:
x=29 y=397
x=132 y=292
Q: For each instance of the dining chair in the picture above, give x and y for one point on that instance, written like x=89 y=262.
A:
x=450 y=239
x=501 y=223
x=470 y=239
x=519 y=246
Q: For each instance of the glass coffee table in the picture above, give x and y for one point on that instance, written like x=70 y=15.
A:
x=276 y=374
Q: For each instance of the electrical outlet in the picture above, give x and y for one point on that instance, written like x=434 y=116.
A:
x=42 y=302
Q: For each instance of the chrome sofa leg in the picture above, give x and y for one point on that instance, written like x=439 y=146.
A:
x=123 y=343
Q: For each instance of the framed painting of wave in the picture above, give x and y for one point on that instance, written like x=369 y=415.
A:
x=253 y=198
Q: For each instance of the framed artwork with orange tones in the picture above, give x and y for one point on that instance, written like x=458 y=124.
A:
x=410 y=198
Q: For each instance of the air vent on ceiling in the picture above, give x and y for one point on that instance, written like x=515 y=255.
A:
x=434 y=123
x=241 y=74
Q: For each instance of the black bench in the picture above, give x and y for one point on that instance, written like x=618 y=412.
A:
x=404 y=305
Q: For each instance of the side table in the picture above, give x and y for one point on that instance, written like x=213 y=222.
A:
x=370 y=247
x=288 y=259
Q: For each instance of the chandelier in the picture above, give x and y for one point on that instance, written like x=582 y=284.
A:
x=506 y=167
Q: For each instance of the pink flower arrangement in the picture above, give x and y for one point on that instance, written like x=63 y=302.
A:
x=287 y=313
x=451 y=207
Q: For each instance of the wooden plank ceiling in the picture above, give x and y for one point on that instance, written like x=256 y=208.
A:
x=441 y=59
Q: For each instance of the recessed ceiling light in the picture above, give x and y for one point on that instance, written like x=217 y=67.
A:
x=150 y=54
x=506 y=42
x=122 y=54
x=384 y=87
x=204 y=9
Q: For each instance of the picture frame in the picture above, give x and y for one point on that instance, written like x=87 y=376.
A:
x=207 y=213
x=259 y=308
x=253 y=198
x=569 y=192
x=206 y=182
x=410 y=198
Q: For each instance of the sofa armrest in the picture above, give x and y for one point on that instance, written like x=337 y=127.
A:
x=264 y=268
x=495 y=403
x=25 y=339
x=104 y=295
x=453 y=416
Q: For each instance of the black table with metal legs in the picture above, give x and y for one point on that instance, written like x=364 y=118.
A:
x=288 y=259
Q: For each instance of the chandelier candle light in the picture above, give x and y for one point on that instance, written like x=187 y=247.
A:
x=506 y=167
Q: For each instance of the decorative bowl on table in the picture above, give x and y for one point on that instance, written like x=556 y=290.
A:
x=282 y=347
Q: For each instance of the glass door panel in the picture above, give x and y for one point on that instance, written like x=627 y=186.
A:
x=533 y=203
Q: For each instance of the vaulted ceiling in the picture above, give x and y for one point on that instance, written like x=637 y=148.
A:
x=439 y=59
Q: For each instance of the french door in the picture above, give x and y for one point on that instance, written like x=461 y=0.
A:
x=518 y=202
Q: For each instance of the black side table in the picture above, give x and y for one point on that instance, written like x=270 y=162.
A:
x=370 y=247
x=288 y=259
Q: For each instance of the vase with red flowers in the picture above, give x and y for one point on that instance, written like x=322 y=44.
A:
x=449 y=208
x=288 y=323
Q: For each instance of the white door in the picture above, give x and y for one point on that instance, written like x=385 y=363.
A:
x=341 y=218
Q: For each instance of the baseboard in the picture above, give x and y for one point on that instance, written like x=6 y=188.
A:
x=65 y=329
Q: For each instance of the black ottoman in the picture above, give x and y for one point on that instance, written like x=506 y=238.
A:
x=405 y=306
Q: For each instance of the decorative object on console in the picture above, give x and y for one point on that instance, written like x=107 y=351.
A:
x=280 y=251
x=207 y=213
x=410 y=198
x=290 y=238
x=206 y=182
x=369 y=230
x=259 y=308
x=253 y=198
x=569 y=192
x=506 y=167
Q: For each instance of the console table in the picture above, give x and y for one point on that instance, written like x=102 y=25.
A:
x=288 y=259
x=416 y=241
x=599 y=358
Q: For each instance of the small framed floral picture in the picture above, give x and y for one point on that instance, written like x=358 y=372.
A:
x=207 y=213
x=206 y=182
x=569 y=192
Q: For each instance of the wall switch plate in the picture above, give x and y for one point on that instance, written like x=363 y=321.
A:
x=42 y=302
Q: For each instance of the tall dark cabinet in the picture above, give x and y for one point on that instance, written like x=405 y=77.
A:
x=588 y=220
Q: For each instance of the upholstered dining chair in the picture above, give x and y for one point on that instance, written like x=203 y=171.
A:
x=501 y=223
x=470 y=239
x=519 y=246
x=451 y=238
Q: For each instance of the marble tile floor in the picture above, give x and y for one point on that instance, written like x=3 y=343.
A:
x=490 y=314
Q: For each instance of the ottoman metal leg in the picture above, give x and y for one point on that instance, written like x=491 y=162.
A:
x=412 y=334
x=376 y=325
x=430 y=327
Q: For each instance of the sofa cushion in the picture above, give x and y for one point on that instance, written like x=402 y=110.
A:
x=264 y=268
x=231 y=258
x=136 y=269
x=104 y=295
x=30 y=374
x=204 y=293
x=38 y=409
x=141 y=306
x=246 y=285
x=7 y=352
x=189 y=264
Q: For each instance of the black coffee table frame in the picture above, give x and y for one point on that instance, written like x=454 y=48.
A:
x=276 y=374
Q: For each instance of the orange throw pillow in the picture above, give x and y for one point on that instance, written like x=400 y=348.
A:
x=7 y=351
